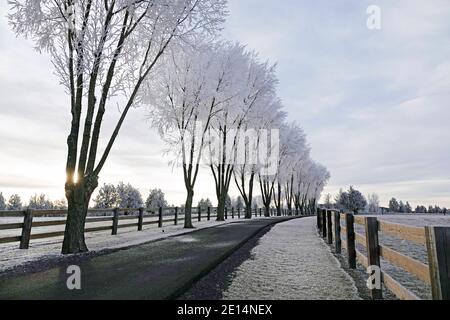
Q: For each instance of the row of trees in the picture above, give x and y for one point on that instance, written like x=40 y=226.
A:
x=204 y=94
x=355 y=201
x=109 y=196
x=402 y=207
x=399 y=206
x=216 y=105
x=40 y=202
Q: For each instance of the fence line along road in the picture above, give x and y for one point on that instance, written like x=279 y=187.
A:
x=435 y=239
x=131 y=217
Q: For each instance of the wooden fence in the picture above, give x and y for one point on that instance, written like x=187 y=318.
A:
x=132 y=218
x=436 y=240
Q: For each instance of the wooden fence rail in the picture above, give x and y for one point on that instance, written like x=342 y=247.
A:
x=131 y=218
x=436 y=240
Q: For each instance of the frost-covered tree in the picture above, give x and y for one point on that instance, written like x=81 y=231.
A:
x=238 y=203
x=228 y=202
x=401 y=207
x=394 y=206
x=204 y=204
x=40 y=202
x=60 y=204
x=408 y=208
x=129 y=196
x=191 y=88
x=292 y=164
x=266 y=175
x=14 y=203
x=293 y=152
x=155 y=200
x=356 y=200
x=107 y=197
x=259 y=114
x=2 y=202
x=373 y=203
x=351 y=200
x=247 y=81
x=340 y=199
x=316 y=181
x=327 y=202
x=421 y=209
x=103 y=52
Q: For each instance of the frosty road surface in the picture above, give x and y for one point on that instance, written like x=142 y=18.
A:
x=291 y=262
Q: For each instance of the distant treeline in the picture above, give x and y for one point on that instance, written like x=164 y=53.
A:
x=405 y=207
x=123 y=195
x=353 y=200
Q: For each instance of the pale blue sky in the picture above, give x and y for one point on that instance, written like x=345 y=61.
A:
x=375 y=104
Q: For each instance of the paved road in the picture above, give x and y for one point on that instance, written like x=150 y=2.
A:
x=158 y=270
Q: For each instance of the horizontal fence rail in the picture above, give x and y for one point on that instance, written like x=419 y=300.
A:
x=436 y=241
x=130 y=218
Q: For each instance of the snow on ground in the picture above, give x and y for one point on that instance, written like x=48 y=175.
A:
x=407 y=248
x=291 y=262
x=11 y=256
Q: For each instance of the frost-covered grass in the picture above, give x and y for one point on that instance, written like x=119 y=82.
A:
x=49 y=248
x=407 y=248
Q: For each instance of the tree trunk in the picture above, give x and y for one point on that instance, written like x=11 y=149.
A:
x=248 y=211
x=267 y=210
x=188 y=210
x=277 y=200
x=221 y=207
x=289 y=209
x=78 y=197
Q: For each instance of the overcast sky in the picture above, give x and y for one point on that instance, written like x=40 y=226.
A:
x=374 y=103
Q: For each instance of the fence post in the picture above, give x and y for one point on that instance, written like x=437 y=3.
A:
x=373 y=250
x=324 y=223
x=26 y=229
x=199 y=209
x=160 y=218
x=350 y=235
x=226 y=213
x=239 y=213
x=176 y=216
x=438 y=247
x=337 y=232
x=329 y=228
x=256 y=213
x=319 y=220
x=209 y=213
x=260 y=212
x=232 y=213
x=140 y=219
x=115 y=221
